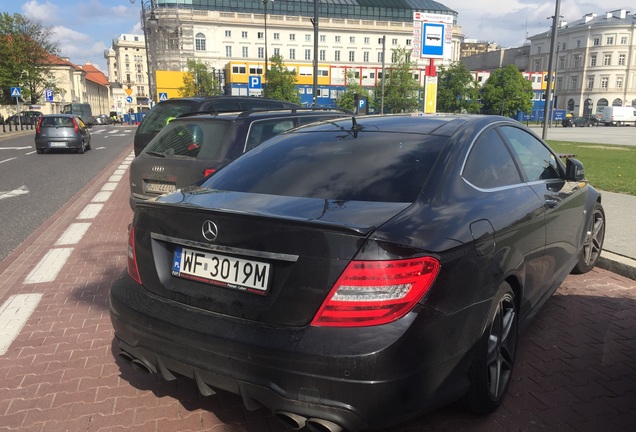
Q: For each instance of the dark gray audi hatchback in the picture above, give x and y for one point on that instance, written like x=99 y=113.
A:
x=356 y=273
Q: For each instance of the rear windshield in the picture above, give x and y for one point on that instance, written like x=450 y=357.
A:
x=181 y=139
x=163 y=112
x=371 y=166
x=57 y=121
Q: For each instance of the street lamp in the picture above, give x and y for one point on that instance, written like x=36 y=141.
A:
x=265 y=20
x=151 y=22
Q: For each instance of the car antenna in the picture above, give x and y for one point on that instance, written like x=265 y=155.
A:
x=355 y=127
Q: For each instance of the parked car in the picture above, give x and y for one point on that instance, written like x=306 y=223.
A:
x=358 y=272
x=103 y=119
x=194 y=145
x=618 y=116
x=580 y=122
x=25 y=118
x=165 y=111
x=62 y=132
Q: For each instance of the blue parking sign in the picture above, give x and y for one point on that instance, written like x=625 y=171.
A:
x=254 y=82
x=48 y=94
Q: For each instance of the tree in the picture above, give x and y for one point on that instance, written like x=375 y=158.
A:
x=25 y=57
x=401 y=89
x=199 y=81
x=281 y=82
x=457 y=90
x=346 y=99
x=507 y=92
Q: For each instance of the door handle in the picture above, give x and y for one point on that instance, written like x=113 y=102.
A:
x=551 y=203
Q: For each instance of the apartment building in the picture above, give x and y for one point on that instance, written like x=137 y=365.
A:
x=594 y=62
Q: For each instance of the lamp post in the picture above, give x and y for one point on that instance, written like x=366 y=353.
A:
x=148 y=6
x=265 y=21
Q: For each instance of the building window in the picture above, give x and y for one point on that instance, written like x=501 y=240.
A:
x=244 y=34
x=619 y=82
x=336 y=55
x=577 y=60
x=537 y=65
x=578 y=43
x=245 y=52
x=365 y=56
x=292 y=37
x=199 y=42
x=380 y=57
x=276 y=36
x=563 y=45
x=261 y=52
x=561 y=62
x=609 y=40
x=408 y=42
x=239 y=69
x=559 y=83
x=574 y=82
x=538 y=50
x=228 y=33
x=367 y=40
x=256 y=70
x=394 y=41
x=590 y=82
x=228 y=51
x=322 y=55
x=292 y=53
x=607 y=60
x=337 y=39
x=604 y=82
x=623 y=40
x=276 y=51
x=593 y=60
x=260 y=35
x=323 y=38
x=307 y=54
x=621 y=59
x=307 y=38
x=352 y=56
x=352 y=39
x=597 y=41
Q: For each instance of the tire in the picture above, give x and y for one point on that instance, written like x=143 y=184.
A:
x=593 y=242
x=39 y=150
x=491 y=370
x=573 y=124
x=81 y=150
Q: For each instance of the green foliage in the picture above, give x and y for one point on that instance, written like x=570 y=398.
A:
x=25 y=47
x=457 y=90
x=610 y=168
x=199 y=81
x=401 y=89
x=346 y=99
x=281 y=82
x=507 y=92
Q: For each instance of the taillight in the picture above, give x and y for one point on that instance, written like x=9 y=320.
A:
x=37 y=127
x=75 y=126
x=208 y=171
x=133 y=271
x=377 y=292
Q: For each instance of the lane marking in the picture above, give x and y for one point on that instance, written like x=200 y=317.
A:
x=73 y=234
x=14 y=314
x=90 y=211
x=22 y=190
x=49 y=266
x=15 y=148
x=8 y=160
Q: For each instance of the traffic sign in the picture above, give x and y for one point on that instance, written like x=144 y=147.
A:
x=129 y=99
x=163 y=97
x=128 y=91
x=254 y=82
x=16 y=92
x=48 y=93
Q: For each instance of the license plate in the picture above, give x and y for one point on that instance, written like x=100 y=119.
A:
x=160 y=187
x=221 y=270
x=58 y=144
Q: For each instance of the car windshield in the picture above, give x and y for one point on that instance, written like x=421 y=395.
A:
x=193 y=139
x=162 y=113
x=57 y=121
x=386 y=167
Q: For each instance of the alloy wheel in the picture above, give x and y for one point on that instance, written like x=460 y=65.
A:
x=502 y=342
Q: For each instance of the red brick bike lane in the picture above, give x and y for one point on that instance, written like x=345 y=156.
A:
x=575 y=368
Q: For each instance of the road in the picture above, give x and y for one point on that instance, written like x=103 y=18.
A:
x=603 y=134
x=33 y=187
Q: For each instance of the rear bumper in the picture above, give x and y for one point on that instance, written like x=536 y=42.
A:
x=356 y=378
x=56 y=144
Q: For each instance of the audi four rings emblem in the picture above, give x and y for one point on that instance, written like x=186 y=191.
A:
x=209 y=230
x=157 y=168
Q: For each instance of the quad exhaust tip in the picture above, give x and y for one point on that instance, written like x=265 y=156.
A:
x=292 y=420
x=321 y=425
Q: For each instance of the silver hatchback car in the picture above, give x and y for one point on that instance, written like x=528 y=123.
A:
x=62 y=131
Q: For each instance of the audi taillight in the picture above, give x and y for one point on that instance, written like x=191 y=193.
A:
x=133 y=271
x=371 y=293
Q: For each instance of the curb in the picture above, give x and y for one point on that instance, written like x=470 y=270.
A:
x=618 y=264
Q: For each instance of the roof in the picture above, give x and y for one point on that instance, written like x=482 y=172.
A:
x=614 y=18
x=95 y=75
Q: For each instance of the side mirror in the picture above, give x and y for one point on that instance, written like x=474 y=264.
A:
x=574 y=170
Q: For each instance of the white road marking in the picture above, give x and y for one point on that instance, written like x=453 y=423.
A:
x=73 y=234
x=7 y=160
x=101 y=197
x=14 y=314
x=49 y=266
x=15 y=148
x=22 y=190
x=90 y=211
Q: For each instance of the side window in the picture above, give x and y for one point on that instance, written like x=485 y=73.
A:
x=538 y=162
x=262 y=130
x=489 y=164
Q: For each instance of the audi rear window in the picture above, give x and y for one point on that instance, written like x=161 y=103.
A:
x=195 y=139
x=366 y=166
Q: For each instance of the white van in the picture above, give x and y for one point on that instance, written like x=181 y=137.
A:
x=614 y=115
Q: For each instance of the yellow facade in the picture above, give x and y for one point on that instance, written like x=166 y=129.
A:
x=169 y=82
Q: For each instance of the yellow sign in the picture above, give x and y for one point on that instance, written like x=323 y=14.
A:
x=128 y=91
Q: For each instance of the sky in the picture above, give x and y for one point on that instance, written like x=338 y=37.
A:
x=84 y=29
